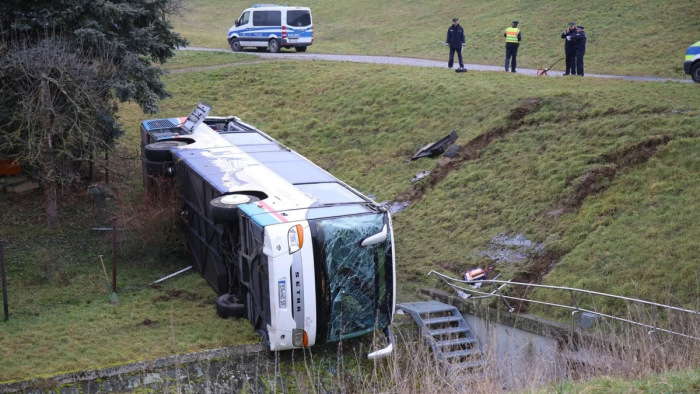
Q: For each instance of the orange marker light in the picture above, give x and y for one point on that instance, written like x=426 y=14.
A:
x=300 y=234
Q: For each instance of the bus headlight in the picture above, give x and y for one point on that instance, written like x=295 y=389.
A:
x=296 y=238
x=300 y=338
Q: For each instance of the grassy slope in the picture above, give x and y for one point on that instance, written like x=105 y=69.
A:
x=631 y=37
x=361 y=122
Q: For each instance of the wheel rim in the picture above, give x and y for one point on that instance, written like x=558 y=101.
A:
x=235 y=199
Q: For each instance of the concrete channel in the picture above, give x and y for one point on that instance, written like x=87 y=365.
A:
x=519 y=344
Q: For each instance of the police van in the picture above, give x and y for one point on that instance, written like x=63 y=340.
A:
x=272 y=26
x=692 y=61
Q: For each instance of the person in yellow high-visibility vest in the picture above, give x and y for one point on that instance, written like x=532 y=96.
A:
x=513 y=37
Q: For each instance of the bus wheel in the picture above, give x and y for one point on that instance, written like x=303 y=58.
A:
x=160 y=151
x=159 y=168
x=274 y=46
x=226 y=207
x=228 y=306
x=300 y=49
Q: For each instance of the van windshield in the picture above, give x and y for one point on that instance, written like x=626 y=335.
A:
x=298 y=18
x=358 y=291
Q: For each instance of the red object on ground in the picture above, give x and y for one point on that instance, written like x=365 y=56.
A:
x=9 y=167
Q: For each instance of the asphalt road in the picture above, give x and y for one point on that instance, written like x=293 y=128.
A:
x=407 y=61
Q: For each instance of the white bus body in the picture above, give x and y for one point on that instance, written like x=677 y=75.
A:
x=305 y=257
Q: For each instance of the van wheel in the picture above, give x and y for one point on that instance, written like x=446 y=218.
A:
x=300 y=49
x=228 y=306
x=226 y=207
x=274 y=46
x=160 y=151
x=235 y=45
x=695 y=72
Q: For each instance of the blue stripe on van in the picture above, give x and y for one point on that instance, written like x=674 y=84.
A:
x=694 y=50
x=266 y=31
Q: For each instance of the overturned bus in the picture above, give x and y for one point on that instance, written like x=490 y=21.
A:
x=305 y=257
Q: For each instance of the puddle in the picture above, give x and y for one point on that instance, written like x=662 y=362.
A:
x=508 y=250
x=396 y=206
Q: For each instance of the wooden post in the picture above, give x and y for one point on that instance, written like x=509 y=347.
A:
x=4 y=283
x=114 y=254
x=106 y=167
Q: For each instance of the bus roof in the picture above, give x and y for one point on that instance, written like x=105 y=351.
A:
x=249 y=160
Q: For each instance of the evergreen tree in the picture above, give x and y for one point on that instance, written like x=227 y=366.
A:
x=64 y=66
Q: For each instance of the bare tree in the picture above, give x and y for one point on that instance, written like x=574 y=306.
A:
x=57 y=108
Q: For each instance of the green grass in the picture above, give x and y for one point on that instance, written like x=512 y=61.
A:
x=362 y=122
x=61 y=319
x=631 y=37
x=194 y=59
x=673 y=382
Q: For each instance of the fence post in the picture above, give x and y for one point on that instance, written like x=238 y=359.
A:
x=4 y=283
x=114 y=254
x=106 y=167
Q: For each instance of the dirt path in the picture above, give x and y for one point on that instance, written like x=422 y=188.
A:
x=406 y=61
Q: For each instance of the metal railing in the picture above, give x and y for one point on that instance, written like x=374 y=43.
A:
x=465 y=290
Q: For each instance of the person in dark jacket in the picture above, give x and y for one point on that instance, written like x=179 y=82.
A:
x=579 y=39
x=455 y=40
x=569 y=49
x=513 y=37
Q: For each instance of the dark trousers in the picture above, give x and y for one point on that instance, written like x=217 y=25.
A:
x=579 y=62
x=511 y=53
x=571 y=62
x=452 y=57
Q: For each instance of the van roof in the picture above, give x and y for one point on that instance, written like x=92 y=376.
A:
x=276 y=6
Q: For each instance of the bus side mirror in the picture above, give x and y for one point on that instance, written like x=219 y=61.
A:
x=375 y=238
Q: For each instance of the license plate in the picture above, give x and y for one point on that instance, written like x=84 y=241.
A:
x=282 y=290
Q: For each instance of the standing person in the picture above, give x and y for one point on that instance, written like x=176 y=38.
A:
x=569 y=49
x=579 y=39
x=455 y=40
x=513 y=37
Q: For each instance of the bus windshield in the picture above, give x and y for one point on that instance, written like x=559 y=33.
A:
x=357 y=284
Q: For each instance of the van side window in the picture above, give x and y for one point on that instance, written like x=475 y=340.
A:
x=244 y=18
x=298 y=18
x=267 y=18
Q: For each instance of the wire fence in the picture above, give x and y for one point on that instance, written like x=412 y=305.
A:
x=477 y=289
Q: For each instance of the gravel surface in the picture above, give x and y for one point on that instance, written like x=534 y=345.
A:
x=407 y=61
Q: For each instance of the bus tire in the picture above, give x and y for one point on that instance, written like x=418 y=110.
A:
x=157 y=168
x=228 y=306
x=226 y=207
x=274 y=46
x=235 y=45
x=300 y=49
x=160 y=151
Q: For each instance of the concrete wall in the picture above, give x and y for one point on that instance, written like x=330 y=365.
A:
x=525 y=349
x=225 y=370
